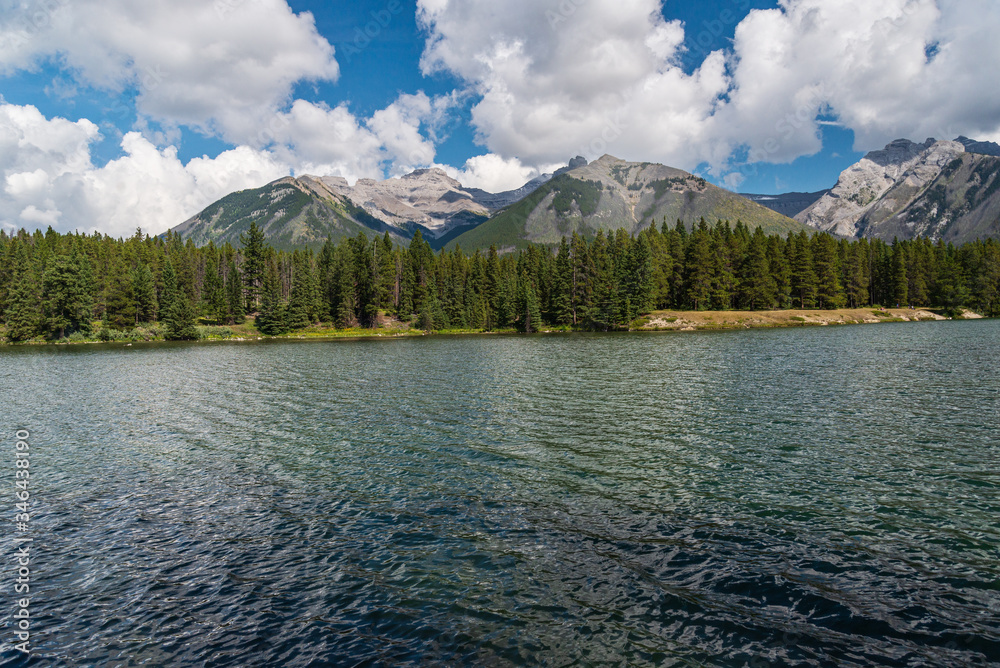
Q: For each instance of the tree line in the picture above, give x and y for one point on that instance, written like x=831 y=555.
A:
x=56 y=285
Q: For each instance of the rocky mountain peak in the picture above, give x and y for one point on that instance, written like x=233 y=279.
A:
x=898 y=152
x=938 y=188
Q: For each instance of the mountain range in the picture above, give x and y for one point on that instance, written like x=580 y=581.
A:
x=609 y=194
x=582 y=197
x=941 y=189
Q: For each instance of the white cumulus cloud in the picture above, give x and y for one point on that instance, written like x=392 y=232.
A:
x=224 y=67
x=48 y=178
x=560 y=77
x=494 y=173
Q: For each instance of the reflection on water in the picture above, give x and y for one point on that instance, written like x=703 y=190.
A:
x=811 y=497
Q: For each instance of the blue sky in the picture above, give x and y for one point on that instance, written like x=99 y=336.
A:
x=116 y=114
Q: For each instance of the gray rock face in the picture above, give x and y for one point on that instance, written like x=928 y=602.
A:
x=427 y=197
x=903 y=167
x=937 y=189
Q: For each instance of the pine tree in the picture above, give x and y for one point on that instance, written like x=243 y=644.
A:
x=950 y=290
x=272 y=318
x=803 y=276
x=301 y=303
x=699 y=266
x=642 y=292
x=66 y=298
x=757 y=286
x=581 y=283
x=529 y=315
x=829 y=292
x=144 y=290
x=216 y=302
x=119 y=298
x=179 y=320
x=24 y=316
x=605 y=311
x=169 y=292
x=254 y=265
x=234 y=295
x=561 y=310
x=781 y=271
x=857 y=279
x=345 y=296
x=900 y=283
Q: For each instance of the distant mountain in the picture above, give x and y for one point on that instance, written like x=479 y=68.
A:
x=981 y=147
x=610 y=194
x=308 y=209
x=788 y=204
x=935 y=189
x=496 y=201
x=288 y=210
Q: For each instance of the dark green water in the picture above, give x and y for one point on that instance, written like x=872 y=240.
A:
x=796 y=497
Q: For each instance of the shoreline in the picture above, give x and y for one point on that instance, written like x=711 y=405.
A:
x=658 y=321
x=688 y=321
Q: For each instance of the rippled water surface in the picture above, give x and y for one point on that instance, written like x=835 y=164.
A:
x=811 y=497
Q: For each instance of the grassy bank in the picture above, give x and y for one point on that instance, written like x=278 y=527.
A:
x=681 y=321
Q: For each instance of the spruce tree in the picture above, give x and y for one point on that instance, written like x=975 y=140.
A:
x=254 y=265
x=301 y=303
x=119 y=297
x=272 y=319
x=24 y=316
x=856 y=272
x=66 y=298
x=561 y=311
x=169 y=292
x=144 y=290
x=529 y=315
x=829 y=293
x=345 y=295
x=803 y=276
x=179 y=320
x=900 y=282
x=234 y=295
x=757 y=286
x=699 y=265
x=214 y=297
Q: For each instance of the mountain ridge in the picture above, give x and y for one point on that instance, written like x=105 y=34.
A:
x=937 y=189
x=609 y=194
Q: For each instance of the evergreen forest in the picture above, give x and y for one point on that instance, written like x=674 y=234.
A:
x=75 y=286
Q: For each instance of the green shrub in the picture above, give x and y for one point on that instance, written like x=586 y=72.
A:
x=108 y=335
x=215 y=332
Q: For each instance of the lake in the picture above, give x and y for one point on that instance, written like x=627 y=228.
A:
x=822 y=496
